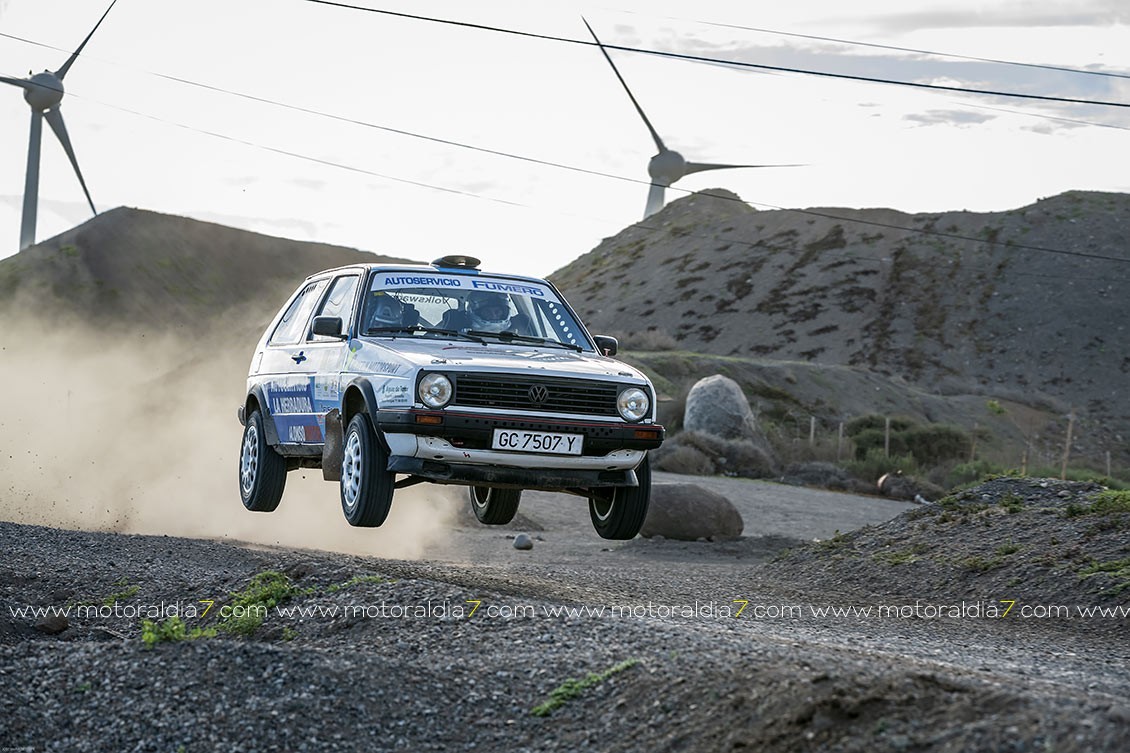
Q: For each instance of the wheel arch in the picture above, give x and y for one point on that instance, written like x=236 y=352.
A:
x=359 y=397
x=256 y=400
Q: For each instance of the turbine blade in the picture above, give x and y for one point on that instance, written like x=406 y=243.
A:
x=74 y=55
x=55 y=120
x=698 y=167
x=20 y=82
x=654 y=133
x=654 y=199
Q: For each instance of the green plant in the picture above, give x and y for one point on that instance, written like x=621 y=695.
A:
x=249 y=607
x=873 y=465
x=1111 y=502
x=1006 y=549
x=172 y=629
x=1117 y=569
x=1013 y=503
x=901 y=556
x=126 y=593
x=573 y=687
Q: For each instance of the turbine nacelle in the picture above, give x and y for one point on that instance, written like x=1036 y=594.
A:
x=43 y=91
x=667 y=167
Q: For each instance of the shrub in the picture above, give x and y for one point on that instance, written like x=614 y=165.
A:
x=676 y=458
x=874 y=465
x=703 y=454
x=935 y=444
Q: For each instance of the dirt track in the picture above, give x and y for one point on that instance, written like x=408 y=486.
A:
x=692 y=673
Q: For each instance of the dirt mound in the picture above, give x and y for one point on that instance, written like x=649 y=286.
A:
x=147 y=270
x=1035 y=542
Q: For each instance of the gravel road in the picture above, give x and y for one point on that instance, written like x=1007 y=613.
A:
x=576 y=644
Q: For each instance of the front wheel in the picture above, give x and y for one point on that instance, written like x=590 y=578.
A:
x=495 y=507
x=619 y=513
x=262 y=471
x=366 y=483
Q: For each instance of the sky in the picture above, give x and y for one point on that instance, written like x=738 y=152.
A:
x=418 y=139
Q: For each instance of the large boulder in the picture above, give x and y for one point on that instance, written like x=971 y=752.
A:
x=716 y=405
x=688 y=512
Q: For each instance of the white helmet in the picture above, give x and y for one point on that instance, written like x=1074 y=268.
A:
x=490 y=312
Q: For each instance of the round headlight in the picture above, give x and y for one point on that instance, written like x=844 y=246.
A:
x=633 y=404
x=435 y=390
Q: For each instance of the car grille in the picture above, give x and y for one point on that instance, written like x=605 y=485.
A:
x=577 y=396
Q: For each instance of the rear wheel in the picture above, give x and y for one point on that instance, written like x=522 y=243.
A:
x=262 y=471
x=494 y=507
x=366 y=483
x=619 y=513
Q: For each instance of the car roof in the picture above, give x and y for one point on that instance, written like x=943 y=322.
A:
x=431 y=268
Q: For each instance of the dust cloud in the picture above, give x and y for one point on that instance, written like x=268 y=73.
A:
x=137 y=433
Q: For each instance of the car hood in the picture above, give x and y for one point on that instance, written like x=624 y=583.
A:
x=493 y=356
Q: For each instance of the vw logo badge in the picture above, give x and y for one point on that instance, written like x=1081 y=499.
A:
x=539 y=393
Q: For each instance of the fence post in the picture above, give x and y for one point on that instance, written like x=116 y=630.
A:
x=887 y=438
x=1067 y=445
x=840 y=443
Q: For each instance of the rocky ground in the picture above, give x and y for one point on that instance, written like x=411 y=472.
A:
x=765 y=643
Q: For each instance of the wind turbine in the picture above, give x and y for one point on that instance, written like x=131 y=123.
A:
x=667 y=166
x=44 y=92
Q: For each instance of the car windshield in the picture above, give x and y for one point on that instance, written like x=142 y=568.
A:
x=476 y=307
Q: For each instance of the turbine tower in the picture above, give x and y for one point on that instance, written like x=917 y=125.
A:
x=44 y=92
x=667 y=166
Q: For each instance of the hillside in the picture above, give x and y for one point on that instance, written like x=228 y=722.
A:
x=145 y=270
x=956 y=303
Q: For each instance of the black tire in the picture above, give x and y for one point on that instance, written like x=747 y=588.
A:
x=366 y=484
x=619 y=513
x=262 y=471
x=494 y=507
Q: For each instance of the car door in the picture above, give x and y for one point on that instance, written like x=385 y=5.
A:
x=327 y=354
x=287 y=369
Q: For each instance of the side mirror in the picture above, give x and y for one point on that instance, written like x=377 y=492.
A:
x=606 y=344
x=327 y=326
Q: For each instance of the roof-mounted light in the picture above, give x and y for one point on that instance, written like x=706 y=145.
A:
x=457 y=261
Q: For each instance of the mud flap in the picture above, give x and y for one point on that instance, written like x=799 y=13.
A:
x=332 y=447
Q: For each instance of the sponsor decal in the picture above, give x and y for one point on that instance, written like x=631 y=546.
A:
x=327 y=389
x=395 y=394
x=400 y=281
x=508 y=287
x=378 y=367
x=289 y=396
x=286 y=404
x=303 y=434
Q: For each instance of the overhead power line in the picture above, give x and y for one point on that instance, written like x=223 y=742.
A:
x=532 y=160
x=722 y=61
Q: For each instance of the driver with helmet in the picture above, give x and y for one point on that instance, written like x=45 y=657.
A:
x=490 y=312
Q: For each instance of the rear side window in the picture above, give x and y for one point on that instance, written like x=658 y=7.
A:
x=292 y=326
x=339 y=301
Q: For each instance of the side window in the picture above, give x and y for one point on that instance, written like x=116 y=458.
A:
x=339 y=302
x=290 y=329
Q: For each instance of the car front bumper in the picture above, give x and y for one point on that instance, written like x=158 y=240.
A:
x=458 y=450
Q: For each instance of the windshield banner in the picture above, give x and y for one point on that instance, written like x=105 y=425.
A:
x=401 y=280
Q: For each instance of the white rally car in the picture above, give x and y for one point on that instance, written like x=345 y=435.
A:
x=385 y=376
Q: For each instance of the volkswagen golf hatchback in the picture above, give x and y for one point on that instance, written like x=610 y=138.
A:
x=385 y=376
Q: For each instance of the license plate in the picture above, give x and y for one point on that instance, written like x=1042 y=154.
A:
x=537 y=441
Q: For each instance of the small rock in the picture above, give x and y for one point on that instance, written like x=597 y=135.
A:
x=53 y=624
x=523 y=541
